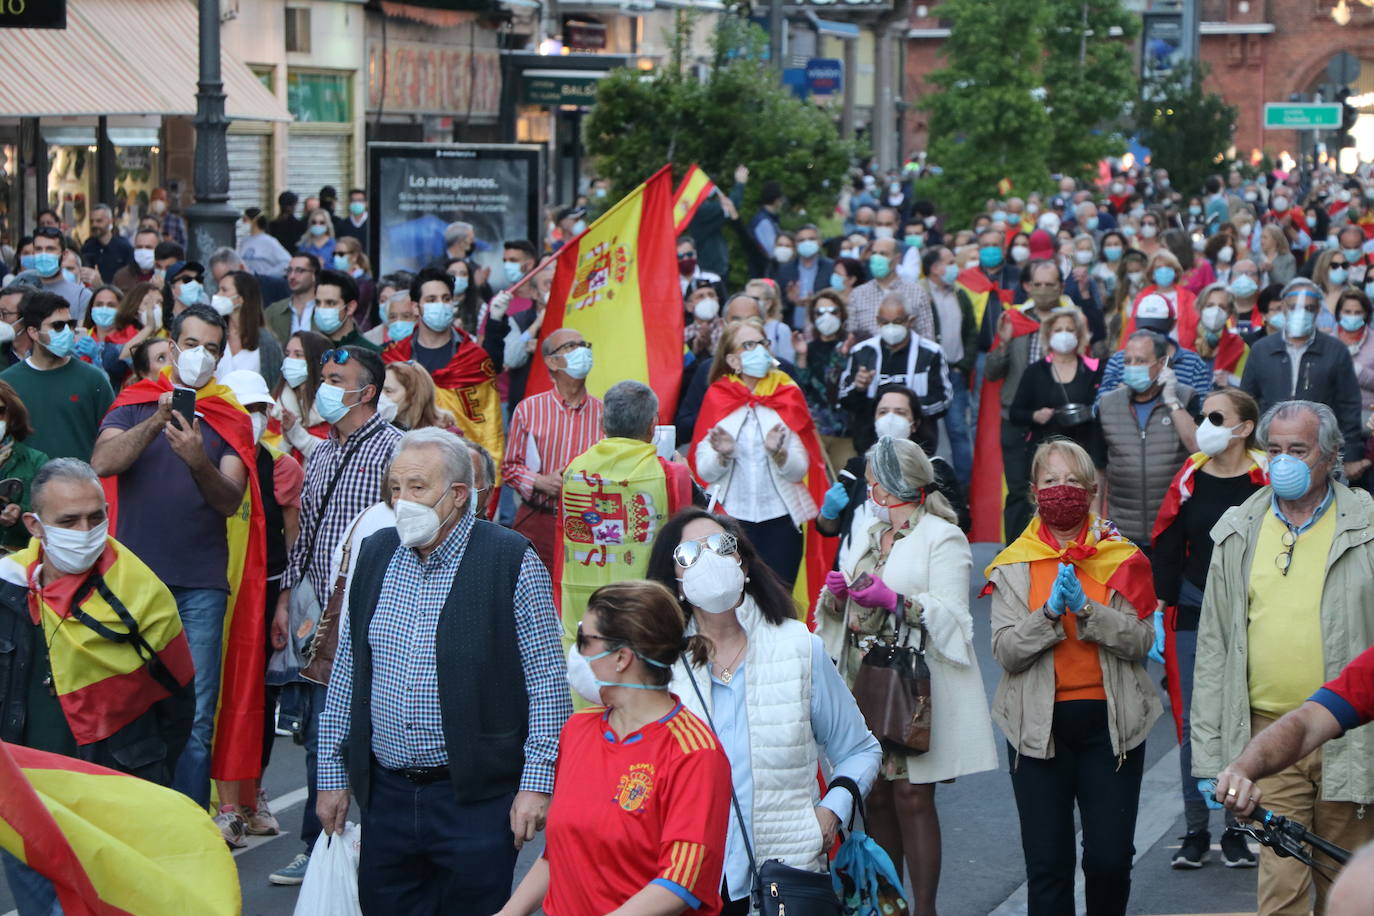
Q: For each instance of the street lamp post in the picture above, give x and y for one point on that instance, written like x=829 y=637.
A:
x=211 y=218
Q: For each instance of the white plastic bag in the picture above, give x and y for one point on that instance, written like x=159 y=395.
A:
x=331 y=882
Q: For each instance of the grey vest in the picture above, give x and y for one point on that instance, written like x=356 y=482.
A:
x=1140 y=464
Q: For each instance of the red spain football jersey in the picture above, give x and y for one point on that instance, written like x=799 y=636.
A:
x=652 y=807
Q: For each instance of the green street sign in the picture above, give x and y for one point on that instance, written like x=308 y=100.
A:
x=1302 y=116
x=560 y=87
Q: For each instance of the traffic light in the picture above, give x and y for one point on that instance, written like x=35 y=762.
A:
x=1349 y=115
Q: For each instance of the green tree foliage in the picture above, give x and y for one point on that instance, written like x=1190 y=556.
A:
x=1186 y=128
x=741 y=114
x=988 y=120
x=1090 y=82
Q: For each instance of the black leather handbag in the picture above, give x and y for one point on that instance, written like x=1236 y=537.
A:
x=779 y=890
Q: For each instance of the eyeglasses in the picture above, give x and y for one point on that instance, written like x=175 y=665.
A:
x=748 y=345
x=339 y=356
x=1284 y=560
x=722 y=543
x=571 y=346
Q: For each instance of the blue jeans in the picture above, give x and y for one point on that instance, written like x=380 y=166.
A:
x=34 y=894
x=202 y=618
x=957 y=427
x=310 y=727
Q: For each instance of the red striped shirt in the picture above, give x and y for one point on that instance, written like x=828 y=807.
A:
x=544 y=425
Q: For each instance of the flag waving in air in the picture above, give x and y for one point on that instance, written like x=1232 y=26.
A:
x=617 y=284
x=112 y=844
x=693 y=191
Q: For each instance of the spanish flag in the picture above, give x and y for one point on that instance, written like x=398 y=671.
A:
x=780 y=393
x=692 y=193
x=237 y=752
x=122 y=651
x=617 y=283
x=110 y=843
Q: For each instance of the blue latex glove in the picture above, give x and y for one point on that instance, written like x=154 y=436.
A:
x=1157 y=650
x=87 y=345
x=1072 y=588
x=1055 y=606
x=836 y=498
x=1207 y=787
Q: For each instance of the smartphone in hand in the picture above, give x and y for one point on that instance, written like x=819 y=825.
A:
x=184 y=404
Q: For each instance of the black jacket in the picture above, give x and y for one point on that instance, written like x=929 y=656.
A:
x=148 y=747
x=1326 y=375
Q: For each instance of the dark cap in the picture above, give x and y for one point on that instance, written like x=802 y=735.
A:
x=571 y=213
x=181 y=267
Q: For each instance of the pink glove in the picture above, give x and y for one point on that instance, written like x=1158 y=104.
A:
x=834 y=581
x=876 y=595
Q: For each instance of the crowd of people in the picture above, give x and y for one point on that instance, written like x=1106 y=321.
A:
x=278 y=490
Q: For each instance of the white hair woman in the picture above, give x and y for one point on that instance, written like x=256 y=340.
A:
x=918 y=562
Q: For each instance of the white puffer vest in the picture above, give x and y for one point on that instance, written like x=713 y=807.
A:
x=782 y=746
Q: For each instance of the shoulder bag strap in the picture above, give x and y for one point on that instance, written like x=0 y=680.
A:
x=734 y=799
x=329 y=493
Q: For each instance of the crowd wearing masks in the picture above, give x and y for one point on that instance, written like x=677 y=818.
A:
x=327 y=501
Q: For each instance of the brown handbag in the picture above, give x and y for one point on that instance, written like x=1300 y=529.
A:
x=892 y=689
x=320 y=653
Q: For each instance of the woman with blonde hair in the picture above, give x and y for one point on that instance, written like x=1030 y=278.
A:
x=1218 y=343
x=319 y=236
x=918 y=564
x=407 y=399
x=1056 y=394
x=778 y=333
x=1071 y=602
x=1276 y=261
x=350 y=258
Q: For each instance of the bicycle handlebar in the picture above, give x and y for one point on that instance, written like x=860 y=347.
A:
x=1286 y=836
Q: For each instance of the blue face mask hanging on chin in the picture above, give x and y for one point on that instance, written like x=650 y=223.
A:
x=1290 y=477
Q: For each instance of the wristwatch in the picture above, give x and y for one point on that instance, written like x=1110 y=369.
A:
x=1174 y=405
x=1086 y=612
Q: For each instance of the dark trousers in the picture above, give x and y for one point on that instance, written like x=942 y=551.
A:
x=779 y=545
x=427 y=854
x=1083 y=771
x=1016 y=458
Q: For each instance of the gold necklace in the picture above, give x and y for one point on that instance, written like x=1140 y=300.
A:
x=726 y=676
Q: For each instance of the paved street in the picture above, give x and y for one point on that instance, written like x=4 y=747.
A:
x=983 y=870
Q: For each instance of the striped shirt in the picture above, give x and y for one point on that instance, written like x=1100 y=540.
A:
x=359 y=486
x=865 y=298
x=546 y=434
x=407 y=720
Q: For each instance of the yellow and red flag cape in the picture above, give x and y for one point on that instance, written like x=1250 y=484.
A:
x=112 y=844
x=237 y=752
x=986 y=491
x=778 y=391
x=466 y=388
x=691 y=194
x=103 y=685
x=617 y=283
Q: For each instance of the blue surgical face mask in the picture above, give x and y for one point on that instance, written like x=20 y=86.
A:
x=756 y=363
x=60 y=343
x=69 y=275
x=328 y=320
x=357 y=207
x=1338 y=275
x=578 y=362
x=460 y=285
x=1290 y=477
x=400 y=330
x=808 y=248
x=836 y=281
x=1137 y=378
x=1112 y=253
x=1164 y=276
x=1195 y=210
x=318 y=230
x=341 y=262
x=190 y=292
x=999 y=216
x=990 y=256
x=1298 y=323
x=1091 y=223
x=951 y=273
x=1352 y=323
x=579 y=227
x=512 y=271
x=47 y=263
x=914 y=241
x=1353 y=254
x=1243 y=286
x=1276 y=319
x=329 y=402
x=879 y=266
x=437 y=316
x=1369 y=289
x=103 y=316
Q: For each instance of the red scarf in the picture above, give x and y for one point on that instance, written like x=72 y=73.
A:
x=470 y=364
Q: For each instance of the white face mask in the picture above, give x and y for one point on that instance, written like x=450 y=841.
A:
x=259 y=421
x=387 y=407
x=881 y=513
x=892 y=424
x=72 y=551
x=706 y=309
x=1226 y=253
x=893 y=334
x=713 y=583
x=195 y=366
x=1214 y=318
x=828 y=323
x=884 y=232
x=782 y=253
x=1083 y=256
x=581 y=677
x=417 y=525
x=294 y=370
x=224 y=305
x=1063 y=341
x=6 y=332
x=1020 y=253
x=143 y=257
x=1212 y=440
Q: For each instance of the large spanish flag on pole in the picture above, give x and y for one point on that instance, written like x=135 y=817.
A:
x=110 y=843
x=617 y=283
x=693 y=191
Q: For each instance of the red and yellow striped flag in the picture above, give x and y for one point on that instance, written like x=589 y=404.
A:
x=112 y=844
x=617 y=283
x=693 y=191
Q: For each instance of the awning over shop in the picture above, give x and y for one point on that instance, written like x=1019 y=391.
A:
x=121 y=57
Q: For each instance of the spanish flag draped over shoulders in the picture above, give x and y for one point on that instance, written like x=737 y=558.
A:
x=1099 y=552
x=986 y=490
x=777 y=391
x=237 y=752
x=617 y=284
x=88 y=830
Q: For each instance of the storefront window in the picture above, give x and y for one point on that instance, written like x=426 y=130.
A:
x=319 y=97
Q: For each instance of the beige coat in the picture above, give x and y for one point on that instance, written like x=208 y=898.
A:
x=1221 y=685
x=1022 y=642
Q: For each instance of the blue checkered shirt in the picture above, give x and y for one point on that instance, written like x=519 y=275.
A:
x=407 y=724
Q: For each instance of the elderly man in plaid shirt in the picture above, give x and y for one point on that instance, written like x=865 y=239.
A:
x=448 y=693
x=343 y=476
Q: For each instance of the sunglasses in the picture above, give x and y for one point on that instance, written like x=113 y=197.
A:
x=58 y=326
x=722 y=543
x=582 y=639
x=1217 y=418
x=335 y=356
